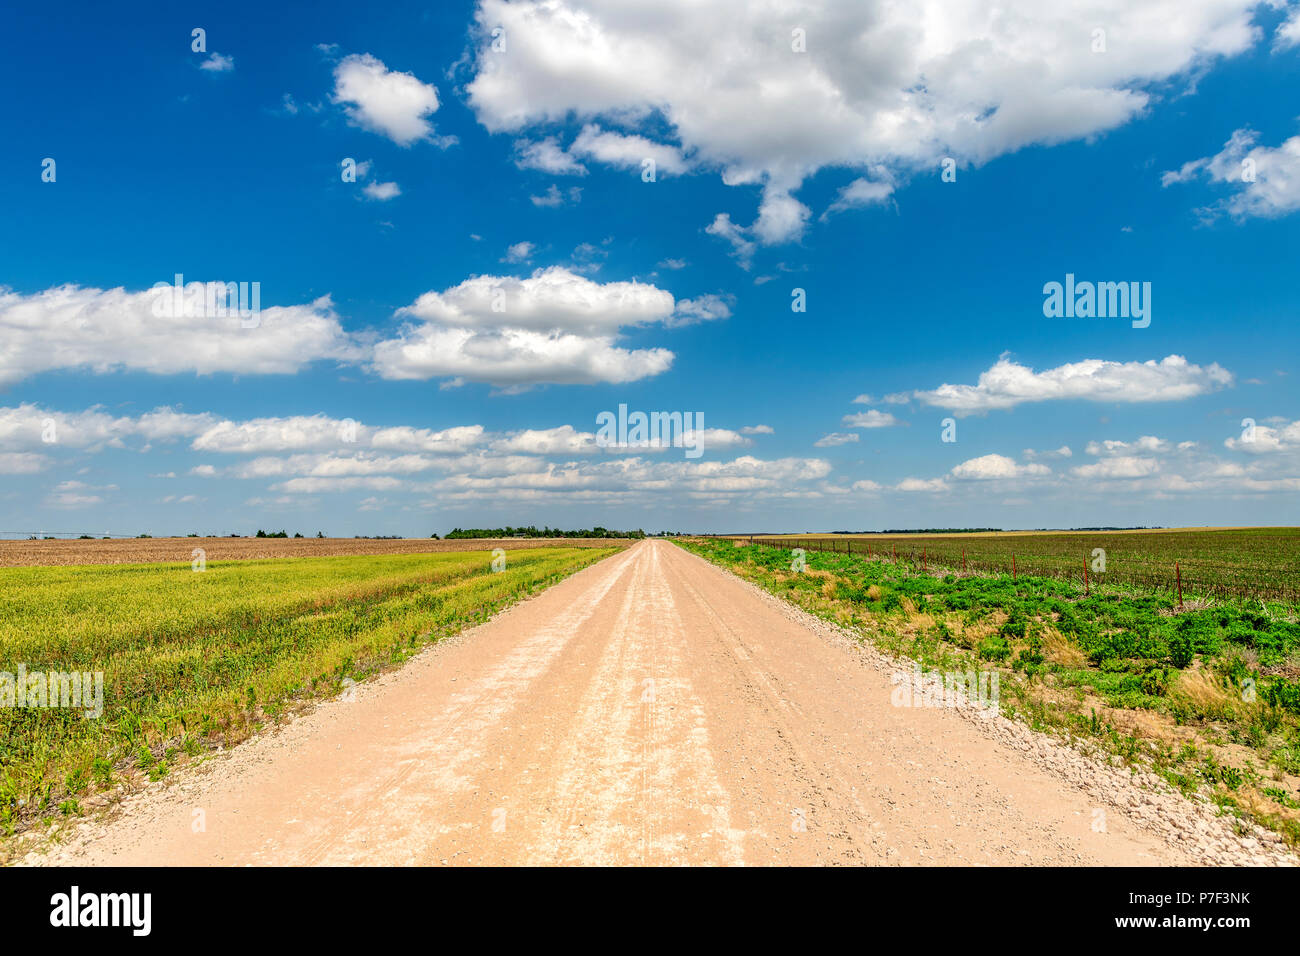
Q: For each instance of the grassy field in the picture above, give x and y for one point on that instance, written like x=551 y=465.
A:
x=52 y=551
x=195 y=659
x=1208 y=697
x=1215 y=562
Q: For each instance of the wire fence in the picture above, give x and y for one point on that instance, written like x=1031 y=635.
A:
x=1201 y=580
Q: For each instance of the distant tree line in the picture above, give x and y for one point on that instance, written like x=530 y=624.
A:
x=932 y=530
x=532 y=531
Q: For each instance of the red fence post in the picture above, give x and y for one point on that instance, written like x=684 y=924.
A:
x=1085 y=576
x=1178 y=573
x=1013 y=567
x=963 y=560
x=923 y=559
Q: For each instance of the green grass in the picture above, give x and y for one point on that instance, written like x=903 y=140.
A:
x=1208 y=696
x=194 y=659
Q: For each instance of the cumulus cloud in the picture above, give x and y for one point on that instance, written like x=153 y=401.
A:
x=898 y=85
x=1123 y=466
x=1266 y=439
x=988 y=467
x=519 y=252
x=628 y=151
x=757 y=430
x=553 y=327
x=384 y=101
x=32 y=427
x=1288 y=31
x=1008 y=384
x=547 y=156
x=1266 y=178
x=870 y=419
x=102 y=330
x=704 y=308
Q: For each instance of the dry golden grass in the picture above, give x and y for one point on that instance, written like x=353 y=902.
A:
x=158 y=550
x=1058 y=650
x=1204 y=691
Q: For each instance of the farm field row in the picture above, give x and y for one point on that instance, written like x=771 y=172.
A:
x=65 y=551
x=1217 y=562
x=1208 y=697
x=193 y=659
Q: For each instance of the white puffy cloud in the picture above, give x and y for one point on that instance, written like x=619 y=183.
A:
x=384 y=101
x=1008 y=384
x=704 y=308
x=553 y=327
x=519 y=252
x=870 y=419
x=864 y=192
x=1288 y=31
x=741 y=245
x=218 y=63
x=1124 y=466
x=382 y=192
x=547 y=156
x=1265 y=439
x=1266 y=178
x=102 y=330
x=897 y=84
x=627 y=151
x=988 y=467
x=757 y=430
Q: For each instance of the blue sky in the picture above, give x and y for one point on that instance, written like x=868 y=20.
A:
x=379 y=391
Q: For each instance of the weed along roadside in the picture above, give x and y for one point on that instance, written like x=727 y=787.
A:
x=1207 y=697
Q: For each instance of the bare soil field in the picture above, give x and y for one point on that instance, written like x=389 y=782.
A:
x=15 y=554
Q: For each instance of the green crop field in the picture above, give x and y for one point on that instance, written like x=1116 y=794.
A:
x=1216 y=562
x=1208 y=696
x=195 y=658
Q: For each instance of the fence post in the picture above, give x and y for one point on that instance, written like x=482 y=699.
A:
x=963 y=560
x=1013 y=567
x=1085 y=575
x=923 y=559
x=1178 y=573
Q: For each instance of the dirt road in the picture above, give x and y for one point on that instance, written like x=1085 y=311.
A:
x=650 y=709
